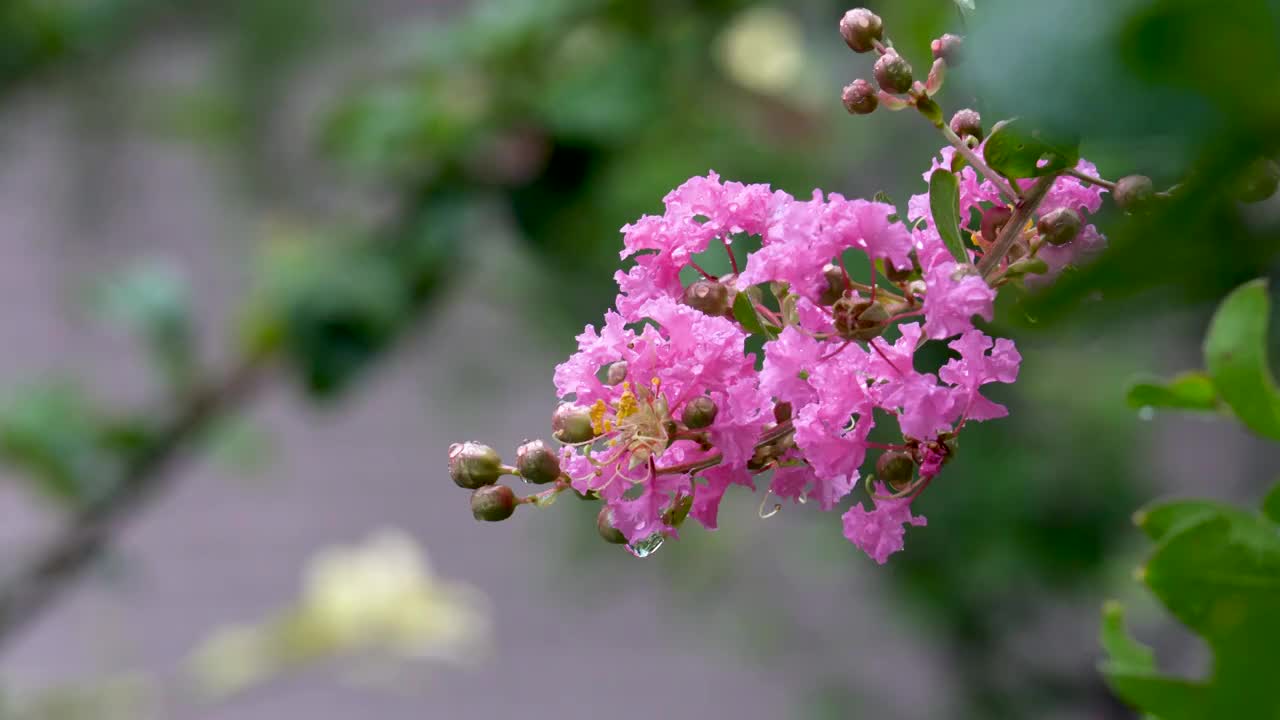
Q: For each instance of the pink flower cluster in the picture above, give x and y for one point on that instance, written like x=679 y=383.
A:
x=838 y=355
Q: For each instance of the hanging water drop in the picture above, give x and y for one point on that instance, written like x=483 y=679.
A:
x=648 y=546
x=1146 y=412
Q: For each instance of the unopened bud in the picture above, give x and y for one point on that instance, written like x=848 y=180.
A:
x=1259 y=182
x=493 y=503
x=836 y=285
x=967 y=123
x=860 y=97
x=616 y=373
x=893 y=72
x=895 y=468
x=897 y=276
x=1060 y=226
x=859 y=319
x=1133 y=192
x=472 y=465
x=572 y=424
x=709 y=296
x=782 y=412
x=537 y=463
x=860 y=29
x=993 y=220
x=699 y=412
x=604 y=526
x=948 y=49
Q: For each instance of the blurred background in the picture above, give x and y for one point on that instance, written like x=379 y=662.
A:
x=262 y=261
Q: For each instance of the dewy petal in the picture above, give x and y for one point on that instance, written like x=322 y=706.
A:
x=880 y=532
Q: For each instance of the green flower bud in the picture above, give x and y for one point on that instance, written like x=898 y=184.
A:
x=1060 y=226
x=893 y=72
x=947 y=48
x=860 y=98
x=1133 y=192
x=860 y=29
x=709 y=296
x=472 y=465
x=572 y=424
x=537 y=463
x=967 y=123
x=493 y=503
x=1259 y=182
x=896 y=468
x=699 y=412
x=604 y=526
x=616 y=373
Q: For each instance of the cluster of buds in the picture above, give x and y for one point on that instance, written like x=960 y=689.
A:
x=663 y=409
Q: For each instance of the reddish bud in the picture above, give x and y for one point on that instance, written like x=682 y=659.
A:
x=699 y=412
x=1060 y=226
x=861 y=29
x=948 y=49
x=493 y=503
x=472 y=465
x=967 y=123
x=893 y=72
x=860 y=98
x=537 y=463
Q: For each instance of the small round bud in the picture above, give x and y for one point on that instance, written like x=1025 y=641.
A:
x=893 y=72
x=993 y=220
x=782 y=412
x=493 y=503
x=835 y=288
x=699 y=412
x=604 y=526
x=948 y=49
x=1133 y=191
x=572 y=424
x=967 y=123
x=616 y=373
x=895 y=468
x=537 y=463
x=859 y=319
x=860 y=29
x=899 y=276
x=860 y=98
x=1259 y=182
x=709 y=296
x=472 y=465
x=1060 y=226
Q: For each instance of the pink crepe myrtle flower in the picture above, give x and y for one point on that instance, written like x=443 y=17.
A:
x=880 y=532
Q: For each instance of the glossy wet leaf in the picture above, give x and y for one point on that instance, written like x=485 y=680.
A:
x=1188 y=391
x=1016 y=150
x=1236 y=355
x=944 y=205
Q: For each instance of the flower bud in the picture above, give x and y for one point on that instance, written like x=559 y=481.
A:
x=835 y=288
x=604 y=526
x=616 y=373
x=1133 y=192
x=493 y=503
x=860 y=29
x=860 y=98
x=897 y=276
x=472 y=465
x=859 y=319
x=537 y=463
x=1258 y=182
x=948 y=49
x=782 y=412
x=709 y=296
x=1060 y=226
x=572 y=424
x=967 y=123
x=893 y=72
x=895 y=468
x=699 y=412
x=993 y=220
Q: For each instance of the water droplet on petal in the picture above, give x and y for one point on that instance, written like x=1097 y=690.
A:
x=646 y=547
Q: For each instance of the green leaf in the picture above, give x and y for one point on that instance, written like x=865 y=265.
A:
x=944 y=204
x=1017 y=152
x=1124 y=654
x=1235 y=351
x=1217 y=569
x=1271 y=504
x=1188 y=391
x=1163 y=519
x=744 y=311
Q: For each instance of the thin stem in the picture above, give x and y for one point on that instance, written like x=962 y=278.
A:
x=1091 y=179
x=1026 y=209
x=968 y=154
x=705 y=274
x=733 y=260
